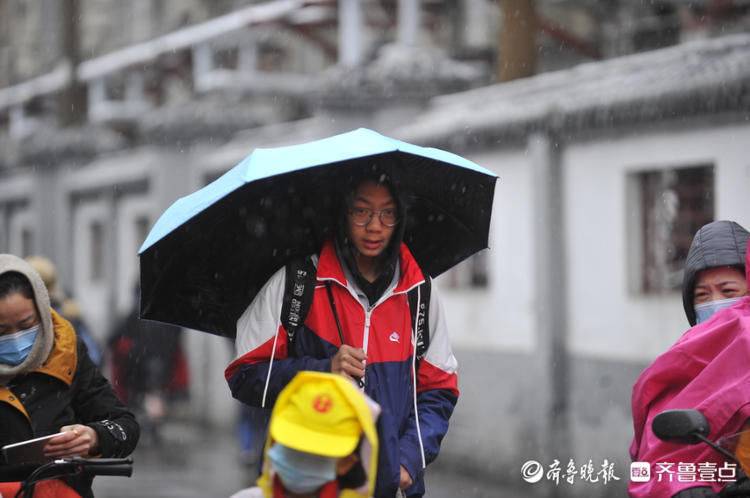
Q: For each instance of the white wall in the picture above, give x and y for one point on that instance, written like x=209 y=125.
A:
x=99 y=192
x=612 y=333
x=16 y=211
x=127 y=273
x=210 y=398
x=92 y=295
x=21 y=222
x=501 y=316
x=606 y=320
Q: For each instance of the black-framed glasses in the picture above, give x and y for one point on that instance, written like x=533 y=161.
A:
x=361 y=216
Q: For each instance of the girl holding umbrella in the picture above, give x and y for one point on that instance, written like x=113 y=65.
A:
x=371 y=314
x=360 y=325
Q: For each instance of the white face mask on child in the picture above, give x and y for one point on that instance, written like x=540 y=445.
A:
x=301 y=472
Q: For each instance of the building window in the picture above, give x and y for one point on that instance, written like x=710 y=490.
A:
x=675 y=203
x=97 y=252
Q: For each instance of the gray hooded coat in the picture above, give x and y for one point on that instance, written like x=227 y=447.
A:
x=719 y=243
x=58 y=385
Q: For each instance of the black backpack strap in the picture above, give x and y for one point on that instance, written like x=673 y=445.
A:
x=420 y=319
x=298 y=294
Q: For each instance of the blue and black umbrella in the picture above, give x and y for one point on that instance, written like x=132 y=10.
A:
x=210 y=252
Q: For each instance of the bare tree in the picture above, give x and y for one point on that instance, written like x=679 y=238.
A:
x=517 y=48
x=72 y=99
x=4 y=46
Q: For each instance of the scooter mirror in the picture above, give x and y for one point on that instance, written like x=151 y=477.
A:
x=681 y=426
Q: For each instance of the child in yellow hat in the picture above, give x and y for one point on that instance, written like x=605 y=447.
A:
x=322 y=441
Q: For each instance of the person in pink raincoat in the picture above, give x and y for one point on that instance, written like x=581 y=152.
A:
x=707 y=370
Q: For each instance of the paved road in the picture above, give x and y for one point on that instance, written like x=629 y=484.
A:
x=195 y=463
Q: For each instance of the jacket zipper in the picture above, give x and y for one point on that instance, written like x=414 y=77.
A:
x=368 y=313
x=366 y=338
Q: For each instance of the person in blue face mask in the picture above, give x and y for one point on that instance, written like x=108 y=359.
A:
x=714 y=275
x=16 y=346
x=706 y=370
x=716 y=289
x=700 y=368
x=48 y=382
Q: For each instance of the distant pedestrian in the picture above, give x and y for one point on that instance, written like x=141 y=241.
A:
x=67 y=306
x=149 y=368
x=252 y=427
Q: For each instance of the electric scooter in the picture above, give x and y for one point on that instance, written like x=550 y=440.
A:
x=29 y=475
x=686 y=426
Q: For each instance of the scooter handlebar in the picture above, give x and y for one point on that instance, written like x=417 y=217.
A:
x=105 y=466
x=110 y=470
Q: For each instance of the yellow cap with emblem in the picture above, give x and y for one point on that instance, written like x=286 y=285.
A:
x=315 y=413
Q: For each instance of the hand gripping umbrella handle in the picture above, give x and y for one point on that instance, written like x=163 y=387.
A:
x=338 y=324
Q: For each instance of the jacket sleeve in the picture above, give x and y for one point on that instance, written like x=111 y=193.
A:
x=437 y=394
x=263 y=366
x=97 y=405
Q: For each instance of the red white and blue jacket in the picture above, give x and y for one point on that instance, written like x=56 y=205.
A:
x=265 y=362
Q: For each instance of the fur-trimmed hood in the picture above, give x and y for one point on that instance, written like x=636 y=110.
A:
x=44 y=340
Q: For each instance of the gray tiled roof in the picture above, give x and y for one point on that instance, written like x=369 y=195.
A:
x=698 y=78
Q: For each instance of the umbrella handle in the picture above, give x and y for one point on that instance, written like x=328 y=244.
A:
x=338 y=324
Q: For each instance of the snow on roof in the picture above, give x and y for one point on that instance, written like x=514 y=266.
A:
x=52 y=145
x=46 y=83
x=700 y=77
x=209 y=118
x=397 y=71
x=186 y=37
x=270 y=135
x=144 y=52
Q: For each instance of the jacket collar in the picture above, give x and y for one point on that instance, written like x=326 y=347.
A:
x=329 y=268
x=61 y=362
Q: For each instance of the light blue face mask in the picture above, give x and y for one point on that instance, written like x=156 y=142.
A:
x=704 y=311
x=301 y=472
x=14 y=348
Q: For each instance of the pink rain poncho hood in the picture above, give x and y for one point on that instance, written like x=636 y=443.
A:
x=706 y=369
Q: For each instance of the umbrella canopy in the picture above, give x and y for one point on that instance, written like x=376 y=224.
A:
x=210 y=252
